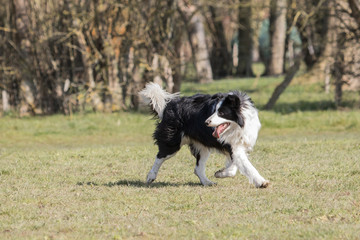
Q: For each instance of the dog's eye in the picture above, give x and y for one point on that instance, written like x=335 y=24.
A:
x=220 y=114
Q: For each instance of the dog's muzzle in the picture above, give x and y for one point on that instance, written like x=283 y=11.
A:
x=207 y=122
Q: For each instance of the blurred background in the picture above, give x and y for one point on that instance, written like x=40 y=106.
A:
x=65 y=56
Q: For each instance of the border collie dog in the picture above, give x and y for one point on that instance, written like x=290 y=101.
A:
x=227 y=122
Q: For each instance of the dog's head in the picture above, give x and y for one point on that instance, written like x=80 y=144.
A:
x=227 y=114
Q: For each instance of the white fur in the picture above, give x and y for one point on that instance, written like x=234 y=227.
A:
x=157 y=97
x=201 y=166
x=242 y=140
x=245 y=167
x=155 y=168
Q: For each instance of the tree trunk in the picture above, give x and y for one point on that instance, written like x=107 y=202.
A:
x=338 y=73
x=346 y=65
x=96 y=101
x=198 y=40
x=309 y=28
x=283 y=85
x=327 y=77
x=27 y=89
x=110 y=30
x=330 y=45
x=220 y=57
x=277 y=36
x=178 y=65
x=114 y=87
x=196 y=34
x=140 y=76
x=111 y=51
x=5 y=101
x=244 y=46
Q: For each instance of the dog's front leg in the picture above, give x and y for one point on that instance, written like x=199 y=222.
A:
x=155 y=168
x=245 y=167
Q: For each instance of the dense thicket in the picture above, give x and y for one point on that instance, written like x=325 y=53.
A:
x=65 y=55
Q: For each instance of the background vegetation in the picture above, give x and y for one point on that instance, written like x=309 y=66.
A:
x=64 y=56
x=83 y=176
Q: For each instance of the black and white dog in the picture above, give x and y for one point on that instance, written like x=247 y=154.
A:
x=227 y=122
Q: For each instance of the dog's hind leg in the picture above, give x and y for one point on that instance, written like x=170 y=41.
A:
x=201 y=153
x=229 y=170
x=169 y=143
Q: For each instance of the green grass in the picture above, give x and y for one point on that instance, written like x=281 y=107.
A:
x=82 y=177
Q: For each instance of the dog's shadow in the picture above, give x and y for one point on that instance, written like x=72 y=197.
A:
x=138 y=184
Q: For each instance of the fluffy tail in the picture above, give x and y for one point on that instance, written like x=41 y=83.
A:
x=156 y=97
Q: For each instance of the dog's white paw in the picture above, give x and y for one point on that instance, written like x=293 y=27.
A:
x=150 y=177
x=265 y=184
x=225 y=172
x=207 y=182
x=203 y=179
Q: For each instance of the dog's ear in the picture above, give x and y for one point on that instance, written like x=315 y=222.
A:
x=235 y=103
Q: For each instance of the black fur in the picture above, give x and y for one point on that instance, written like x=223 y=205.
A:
x=195 y=152
x=186 y=116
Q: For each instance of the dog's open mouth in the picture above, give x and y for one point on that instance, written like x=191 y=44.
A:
x=220 y=129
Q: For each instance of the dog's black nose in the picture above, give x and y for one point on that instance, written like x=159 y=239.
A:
x=207 y=122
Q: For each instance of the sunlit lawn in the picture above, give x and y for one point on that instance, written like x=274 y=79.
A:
x=82 y=177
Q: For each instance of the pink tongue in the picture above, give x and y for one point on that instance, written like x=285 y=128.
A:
x=218 y=130
x=215 y=133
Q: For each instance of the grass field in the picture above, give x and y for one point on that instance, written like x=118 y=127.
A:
x=82 y=177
